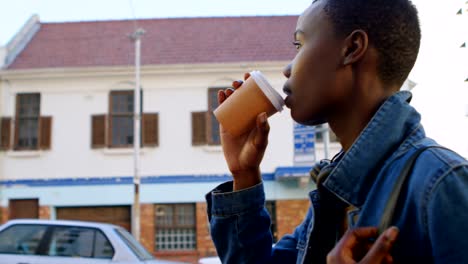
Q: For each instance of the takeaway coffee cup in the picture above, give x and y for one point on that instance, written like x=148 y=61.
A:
x=238 y=113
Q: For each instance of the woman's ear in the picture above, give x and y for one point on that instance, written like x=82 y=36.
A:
x=355 y=46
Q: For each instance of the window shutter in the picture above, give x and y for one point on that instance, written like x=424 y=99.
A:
x=199 y=128
x=45 y=132
x=98 y=131
x=5 y=132
x=150 y=129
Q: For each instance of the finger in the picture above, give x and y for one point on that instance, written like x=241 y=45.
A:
x=340 y=256
x=229 y=91
x=381 y=248
x=237 y=84
x=263 y=128
x=355 y=235
x=221 y=96
x=222 y=130
x=246 y=75
x=361 y=248
x=388 y=259
x=364 y=233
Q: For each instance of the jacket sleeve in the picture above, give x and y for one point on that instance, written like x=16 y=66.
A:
x=447 y=217
x=240 y=227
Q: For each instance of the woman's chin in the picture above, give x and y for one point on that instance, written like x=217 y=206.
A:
x=308 y=122
x=313 y=122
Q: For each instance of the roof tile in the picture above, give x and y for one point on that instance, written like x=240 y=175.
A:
x=166 y=41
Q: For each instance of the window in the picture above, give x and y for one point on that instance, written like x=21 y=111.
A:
x=121 y=118
x=131 y=242
x=31 y=130
x=271 y=208
x=79 y=242
x=319 y=134
x=102 y=247
x=213 y=125
x=175 y=227
x=116 y=129
x=205 y=127
x=21 y=239
x=27 y=121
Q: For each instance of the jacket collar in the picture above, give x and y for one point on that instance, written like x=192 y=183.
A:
x=354 y=173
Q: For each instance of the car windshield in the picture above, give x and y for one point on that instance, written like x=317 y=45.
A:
x=133 y=244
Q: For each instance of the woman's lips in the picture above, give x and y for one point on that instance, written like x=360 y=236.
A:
x=286 y=101
x=287 y=91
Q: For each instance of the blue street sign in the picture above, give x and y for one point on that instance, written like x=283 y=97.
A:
x=304 y=144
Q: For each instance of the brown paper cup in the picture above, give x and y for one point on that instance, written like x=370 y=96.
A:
x=238 y=113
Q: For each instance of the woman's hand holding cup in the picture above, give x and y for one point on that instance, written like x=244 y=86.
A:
x=244 y=152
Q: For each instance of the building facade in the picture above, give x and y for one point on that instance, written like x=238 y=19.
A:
x=66 y=109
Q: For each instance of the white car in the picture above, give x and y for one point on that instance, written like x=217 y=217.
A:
x=35 y=241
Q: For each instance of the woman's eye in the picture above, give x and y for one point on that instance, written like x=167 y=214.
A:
x=297 y=44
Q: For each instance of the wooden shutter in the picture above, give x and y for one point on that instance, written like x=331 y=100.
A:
x=45 y=132
x=199 y=128
x=5 y=133
x=150 y=129
x=98 y=131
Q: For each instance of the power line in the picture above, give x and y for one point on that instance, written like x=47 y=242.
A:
x=132 y=9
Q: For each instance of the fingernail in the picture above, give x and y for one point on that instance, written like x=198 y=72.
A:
x=238 y=82
x=263 y=117
x=392 y=233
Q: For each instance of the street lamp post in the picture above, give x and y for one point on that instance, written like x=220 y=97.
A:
x=326 y=140
x=136 y=36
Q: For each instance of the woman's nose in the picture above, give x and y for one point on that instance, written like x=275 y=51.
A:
x=287 y=70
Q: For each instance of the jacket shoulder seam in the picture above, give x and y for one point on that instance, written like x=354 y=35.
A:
x=436 y=181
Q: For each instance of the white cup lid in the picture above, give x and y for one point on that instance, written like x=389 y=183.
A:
x=274 y=97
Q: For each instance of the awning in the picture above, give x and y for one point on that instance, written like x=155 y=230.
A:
x=286 y=173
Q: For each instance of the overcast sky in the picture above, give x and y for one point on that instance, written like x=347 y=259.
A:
x=440 y=94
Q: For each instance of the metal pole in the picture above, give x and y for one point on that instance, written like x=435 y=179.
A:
x=326 y=140
x=136 y=138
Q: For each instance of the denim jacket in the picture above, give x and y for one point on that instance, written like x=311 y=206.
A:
x=432 y=214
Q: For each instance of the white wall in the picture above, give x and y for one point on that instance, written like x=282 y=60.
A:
x=72 y=100
x=2 y=56
x=72 y=96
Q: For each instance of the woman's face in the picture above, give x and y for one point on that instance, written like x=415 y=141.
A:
x=316 y=77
